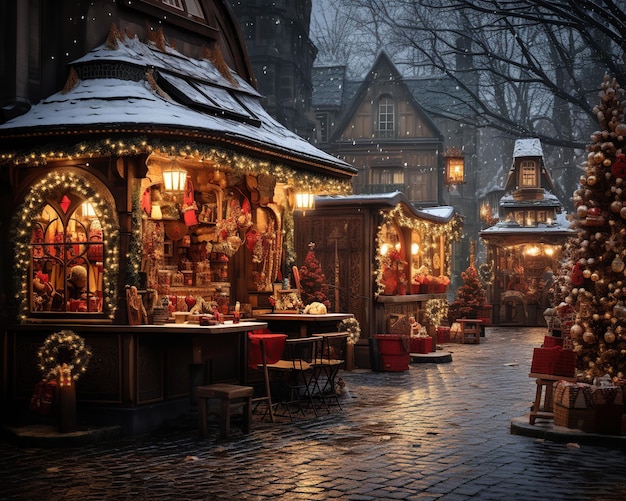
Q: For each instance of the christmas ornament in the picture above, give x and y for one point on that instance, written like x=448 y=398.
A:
x=617 y=265
x=619 y=166
x=576 y=331
x=577 y=275
x=589 y=337
x=609 y=336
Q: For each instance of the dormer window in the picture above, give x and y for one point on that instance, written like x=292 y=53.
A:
x=528 y=174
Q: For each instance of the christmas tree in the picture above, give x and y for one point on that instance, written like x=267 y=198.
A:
x=312 y=280
x=470 y=298
x=594 y=265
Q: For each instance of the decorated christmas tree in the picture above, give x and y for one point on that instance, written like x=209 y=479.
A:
x=471 y=297
x=595 y=282
x=312 y=280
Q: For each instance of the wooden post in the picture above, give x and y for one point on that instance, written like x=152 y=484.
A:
x=66 y=402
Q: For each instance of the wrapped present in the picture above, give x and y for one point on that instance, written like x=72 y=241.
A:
x=552 y=341
x=421 y=345
x=580 y=419
x=573 y=395
x=607 y=395
x=555 y=361
x=443 y=334
x=573 y=406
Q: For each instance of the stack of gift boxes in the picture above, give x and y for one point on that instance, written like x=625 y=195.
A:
x=597 y=408
x=592 y=408
x=555 y=357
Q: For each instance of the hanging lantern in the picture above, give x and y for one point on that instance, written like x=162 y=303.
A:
x=455 y=167
x=174 y=177
x=304 y=201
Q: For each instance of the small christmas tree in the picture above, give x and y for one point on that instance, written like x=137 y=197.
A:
x=594 y=266
x=313 y=280
x=470 y=297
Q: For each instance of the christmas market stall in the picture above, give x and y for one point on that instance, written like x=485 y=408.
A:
x=524 y=245
x=408 y=249
x=148 y=207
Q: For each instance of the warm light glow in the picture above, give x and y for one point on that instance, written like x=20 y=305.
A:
x=398 y=246
x=174 y=177
x=305 y=201
x=88 y=210
x=415 y=248
x=533 y=251
x=384 y=249
x=549 y=251
x=455 y=167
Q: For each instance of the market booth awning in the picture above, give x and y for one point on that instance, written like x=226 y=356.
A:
x=127 y=97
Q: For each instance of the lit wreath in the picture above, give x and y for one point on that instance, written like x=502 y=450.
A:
x=352 y=327
x=64 y=348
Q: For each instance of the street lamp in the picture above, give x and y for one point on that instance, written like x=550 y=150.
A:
x=304 y=201
x=174 y=177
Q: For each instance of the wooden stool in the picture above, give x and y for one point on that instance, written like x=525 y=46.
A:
x=544 y=409
x=470 y=330
x=231 y=396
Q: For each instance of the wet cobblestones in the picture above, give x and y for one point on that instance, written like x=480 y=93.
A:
x=438 y=431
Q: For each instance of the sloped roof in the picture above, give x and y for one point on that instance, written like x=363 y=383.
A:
x=440 y=214
x=528 y=148
x=136 y=88
x=439 y=95
x=383 y=62
x=328 y=86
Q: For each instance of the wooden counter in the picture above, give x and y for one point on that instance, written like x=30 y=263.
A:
x=138 y=376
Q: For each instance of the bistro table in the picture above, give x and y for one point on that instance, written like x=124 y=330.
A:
x=302 y=324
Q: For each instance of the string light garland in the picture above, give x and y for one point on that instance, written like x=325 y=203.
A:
x=451 y=231
x=63 y=354
x=436 y=310
x=54 y=185
x=238 y=164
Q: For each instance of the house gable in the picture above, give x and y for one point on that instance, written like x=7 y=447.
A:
x=384 y=109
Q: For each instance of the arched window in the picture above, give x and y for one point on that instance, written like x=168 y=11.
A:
x=66 y=238
x=386 y=117
x=67 y=256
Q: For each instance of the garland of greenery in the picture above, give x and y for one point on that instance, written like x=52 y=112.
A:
x=63 y=350
x=134 y=246
x=352 y=327
x=123 y=145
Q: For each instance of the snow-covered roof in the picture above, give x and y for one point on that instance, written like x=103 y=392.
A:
x=438 y=214
x=141 y=90
x=560 y=228
x=548 y=200
x=527 y=148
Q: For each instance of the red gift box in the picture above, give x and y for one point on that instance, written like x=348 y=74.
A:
x=421 y=344
x=443 y=334
x=555 y=361
x=552 y=341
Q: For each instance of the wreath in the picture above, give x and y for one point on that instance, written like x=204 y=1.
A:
x=64 y=350
x=352 y=327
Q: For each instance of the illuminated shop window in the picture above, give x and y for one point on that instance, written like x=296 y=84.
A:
x=67 y=246
x=528 y=173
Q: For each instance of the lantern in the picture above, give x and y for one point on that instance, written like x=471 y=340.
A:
x=304 y=201
x=455 y=167
x=174 y=177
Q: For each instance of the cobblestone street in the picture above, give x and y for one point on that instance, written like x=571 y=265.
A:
x=438 y=431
